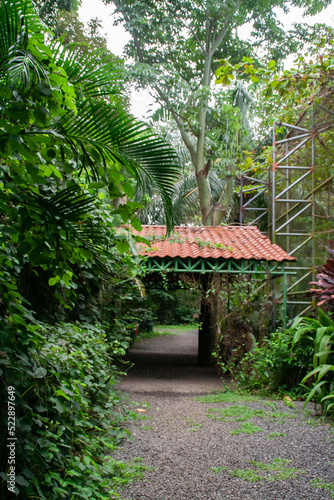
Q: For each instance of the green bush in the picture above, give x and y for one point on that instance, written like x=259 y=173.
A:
x=321 y=378
x=274 y=366
x=67 y=410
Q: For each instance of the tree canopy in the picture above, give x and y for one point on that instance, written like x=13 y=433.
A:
x=70 y=157
x=175 y=46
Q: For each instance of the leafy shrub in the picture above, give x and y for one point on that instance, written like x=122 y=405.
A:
x=68 y=411
x=322 y=375
x=184 y=314
x=274 y=366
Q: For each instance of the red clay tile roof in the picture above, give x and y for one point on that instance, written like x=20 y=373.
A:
x=226 y=242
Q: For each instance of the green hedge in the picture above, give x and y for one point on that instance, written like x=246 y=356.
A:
x=68 y=413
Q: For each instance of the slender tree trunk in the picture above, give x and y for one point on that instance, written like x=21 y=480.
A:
x=202 y=167
x=207 y=330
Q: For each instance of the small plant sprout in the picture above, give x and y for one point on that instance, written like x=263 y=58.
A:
x=247 y=428
x=288 y=402
x=277 y=470
x=318 y=483
x=274 y=435
x=194 y=426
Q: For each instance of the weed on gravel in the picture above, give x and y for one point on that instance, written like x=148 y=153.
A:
x=277 y=470
x=227 y=397
x=247 y=428
x=239 y=413
x=129 y=472
x=323 y=485
x=274 y=435
x=194 y=426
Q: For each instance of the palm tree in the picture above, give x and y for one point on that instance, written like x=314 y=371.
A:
x=185 y=200
x=89 y=124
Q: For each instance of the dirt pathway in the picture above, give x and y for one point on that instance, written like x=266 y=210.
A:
x=223 y=447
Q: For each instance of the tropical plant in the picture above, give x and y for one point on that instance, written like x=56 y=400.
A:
x=325 y=284
x=47 y=9
x=322 y=375
x=272 y=366
x=62 y=393
x=174 y=46
x=185 y=201
x=77 y=119
x=68 y=151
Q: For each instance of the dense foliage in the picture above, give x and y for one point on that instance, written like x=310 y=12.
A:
x=297 y=361
x=321 y=378
x=70 y=155
x=68 y=414
x=174 y=50
x=273 y=366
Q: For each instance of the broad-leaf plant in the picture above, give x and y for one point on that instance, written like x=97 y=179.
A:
x=70 y=157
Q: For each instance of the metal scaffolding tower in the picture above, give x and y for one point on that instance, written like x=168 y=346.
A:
x=298 y=190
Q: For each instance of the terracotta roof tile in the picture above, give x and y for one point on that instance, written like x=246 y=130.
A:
x=227 y=242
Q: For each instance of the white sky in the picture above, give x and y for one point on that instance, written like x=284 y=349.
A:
x=117 y=37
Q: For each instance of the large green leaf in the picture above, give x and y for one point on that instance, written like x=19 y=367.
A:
x=69 y=205
x=18 y=67
x=91 y=72
x=317 y=389
x=104 y=134
x=324 y=319
x=320 y=371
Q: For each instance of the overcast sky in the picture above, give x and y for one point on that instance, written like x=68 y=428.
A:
x=117 y=37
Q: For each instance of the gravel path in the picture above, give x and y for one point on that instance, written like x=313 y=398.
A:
x=181 y=439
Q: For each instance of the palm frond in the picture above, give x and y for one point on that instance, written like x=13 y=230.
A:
x=105 y=134
x=69 y=205
x=13 y=28
x=22 y=70
x=186 y=200
x=18 y=68
x=68 y=211
x=92 y=72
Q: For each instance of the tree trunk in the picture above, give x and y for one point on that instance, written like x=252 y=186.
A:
x=207 y=330
x=202 y=167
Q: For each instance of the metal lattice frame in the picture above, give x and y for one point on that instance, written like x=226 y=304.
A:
x=249 y=203
x=173 y=267
x=294 y=194
x=293 y=187
x=181 y=265
x=285 y=176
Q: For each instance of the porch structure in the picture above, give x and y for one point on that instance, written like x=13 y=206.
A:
x=200 y=251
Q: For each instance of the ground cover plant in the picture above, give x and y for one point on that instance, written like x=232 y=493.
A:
x=163 y=331
x=318 y=483
x=69 y=415
x=274 y=435
x=227 y=396
x=178 y=327
x=247 y=428
x=240 y=413
x=277 y=470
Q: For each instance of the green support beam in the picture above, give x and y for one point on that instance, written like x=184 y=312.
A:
x=180 y=265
